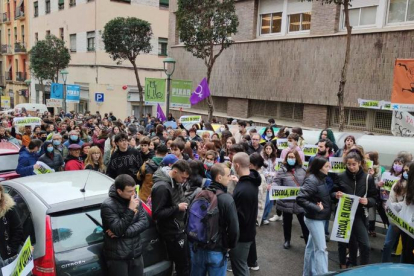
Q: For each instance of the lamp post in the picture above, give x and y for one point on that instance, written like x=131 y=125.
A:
x=169 y=61
x=28 y=82
x=64 y=74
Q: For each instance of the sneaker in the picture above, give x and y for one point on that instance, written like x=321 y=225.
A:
x=266 y=222
x=255 y=267
x=229 y=267
x=275 y=218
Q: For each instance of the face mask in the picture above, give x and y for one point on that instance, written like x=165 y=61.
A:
x=222 y=129
x=49 y=149
x=56 y=142
x=269 y=135
x=43 y=139
x=405 y=175
x=291 y=145
x=397 y=168
x=209 y=164
x=291 y=162
x=74 y=137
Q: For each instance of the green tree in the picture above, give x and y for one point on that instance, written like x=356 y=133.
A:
x=47 y=58
x=341 y=91
x=205 y=28
x=125 y=39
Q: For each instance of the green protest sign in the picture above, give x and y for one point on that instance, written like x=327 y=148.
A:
x=310 y=150
x=282 y=144
x=370 y=164
x=154 y=91
x=279 y=161
x=283 y=193
x=344 y=218
x=180 y=93
x=23 y=264
x=389 y=180
x=43 y=169
x=337 y=165
x=190 y=119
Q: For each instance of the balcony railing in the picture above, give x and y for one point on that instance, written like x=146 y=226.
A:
x=19 y=47
x=6 y=49
x=6 y=17
x=21 y=76
x=8 y=76
x=20 y=13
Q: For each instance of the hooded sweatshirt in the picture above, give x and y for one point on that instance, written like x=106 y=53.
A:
x=246 y=198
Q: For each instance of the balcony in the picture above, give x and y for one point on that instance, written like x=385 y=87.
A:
x=20 y=47
x=8 y=76
x=6 y=18
x=20 y=14
x=21 y=76
x=6 y=49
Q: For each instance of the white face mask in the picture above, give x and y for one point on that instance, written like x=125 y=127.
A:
x=291 y=145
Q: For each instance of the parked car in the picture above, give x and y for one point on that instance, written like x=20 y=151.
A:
x=64 y=224
x=9 y=157
x=377 y=270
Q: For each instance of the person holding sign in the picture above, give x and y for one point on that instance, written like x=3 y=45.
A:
x=354 y=181
x=28 y=158
x=291 y=174
x=314 y=198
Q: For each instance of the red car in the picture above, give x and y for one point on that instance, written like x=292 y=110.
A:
x=9 y=157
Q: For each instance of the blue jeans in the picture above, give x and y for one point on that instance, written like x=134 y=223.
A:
x=393 y=233
x=203 y=261
x=268 y=206
x=316 y=254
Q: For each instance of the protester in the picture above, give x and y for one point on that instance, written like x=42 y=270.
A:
x=99 y=138
x=267 y=136
x=58 y=146
x=26 y=137
x=51 y=158
x=349 y=141
x=94 y=160
x=169 y=207
x=246 y=199
x=209 y=160
x=255 y=145
x=123 y=220
x=242 y=131
x=293 y=140
x=212 y=260
x=301 y=141
x=146 y=153
x=28 y=158
x=73 y=139
x=73 y=162
x=84 y=151
x=406 y=214
x=177 y=148
x=291 y=174
x=328 y=134
x=314 y=198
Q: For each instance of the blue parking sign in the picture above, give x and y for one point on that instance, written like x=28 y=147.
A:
x=99 y=97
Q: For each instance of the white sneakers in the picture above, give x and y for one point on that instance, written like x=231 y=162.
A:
x=266 y=222
x=275 y=218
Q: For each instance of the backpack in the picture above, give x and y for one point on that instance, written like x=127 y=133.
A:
x=203 y=219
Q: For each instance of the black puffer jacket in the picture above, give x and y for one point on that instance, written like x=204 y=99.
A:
x=125 y=224
x=315 y=190
x=11 y=229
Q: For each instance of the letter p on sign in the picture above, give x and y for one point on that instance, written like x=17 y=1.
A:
x=99 y=97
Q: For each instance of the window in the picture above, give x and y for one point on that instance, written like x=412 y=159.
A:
x=9 y=36
x=61 y=4
x=47 y=10
x=299 y=22
x=72 y=3
x=164 y=3
x=91 y=41
x=73 y=42
x=47 y=33
x=126 y=1
x=15 y=34
x=162 y=46
x=62 y=33
x=36 y=37
x=22 y=33
x=36 y=9
x=362 y=16
x=400 y=11
x=271 y=23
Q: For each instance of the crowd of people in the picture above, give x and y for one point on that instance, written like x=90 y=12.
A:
x=223 y=176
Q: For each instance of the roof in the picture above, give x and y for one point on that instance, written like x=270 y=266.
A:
x=8 y=148
x=60 y=187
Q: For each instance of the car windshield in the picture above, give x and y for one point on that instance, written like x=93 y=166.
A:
x=9 y=156
x=76 y=229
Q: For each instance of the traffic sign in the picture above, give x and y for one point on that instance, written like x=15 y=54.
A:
x=99 y=97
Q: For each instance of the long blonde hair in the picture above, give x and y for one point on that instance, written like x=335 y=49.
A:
x=89 y=158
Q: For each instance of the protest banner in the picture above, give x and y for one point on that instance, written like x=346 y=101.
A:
x=180 y=93
x=23 y=264
x=27 y=121
x=279 y=162
x=306 y=165
x=397 y=219
x=154 y=91
x=402 y=124
x=310 y=150
x=283 y=192
x=344 y=218
x=282 y=144
x=54 y=103
x=44 y=169
x=337 y=165
x=190 y=119
x=369 y=104
x=370 y=164
x=388 y=180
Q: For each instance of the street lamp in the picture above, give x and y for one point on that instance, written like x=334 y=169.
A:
x=64 y=74
x=28 y=82
x=169 y=61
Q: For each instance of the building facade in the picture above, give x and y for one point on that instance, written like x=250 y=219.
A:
x=14 y=62
x=287 y=59
x=80 y=23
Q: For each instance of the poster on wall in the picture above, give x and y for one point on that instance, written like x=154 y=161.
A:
x=154 y=91
x=402 y=97
x=180 y=93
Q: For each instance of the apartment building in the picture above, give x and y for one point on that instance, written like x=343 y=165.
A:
x=287 y=58
x=14 y=61
x=80 y=23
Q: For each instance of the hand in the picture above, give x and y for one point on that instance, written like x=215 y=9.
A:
x=363 y=200
x=338 y=195
x=371 y=171
x=320 y=205
x=133 y=203
x=112 y=235
x=234 y=178
x=269 y=187
x=380 y=184
x=182 y=206
x=36 y=166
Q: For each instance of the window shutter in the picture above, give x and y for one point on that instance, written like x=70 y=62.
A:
x=295 y=6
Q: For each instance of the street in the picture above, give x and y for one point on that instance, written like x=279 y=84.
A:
x=273 y=259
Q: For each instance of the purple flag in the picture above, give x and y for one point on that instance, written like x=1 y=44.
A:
x=160 y=114
x=201 y=92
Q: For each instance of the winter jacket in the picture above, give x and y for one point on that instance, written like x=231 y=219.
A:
x=11 y=228
x=355 y=184
x=396 y=199
x=252 y=150
x=124 y=162
x=147 y=156
x=26 y=161
x=55 y=161
x=62 y=150
x=166 y=194
x=126 y=224
x=315 y=190
x=99 y=142
x=145 y=177
x=246 y=198
x=73 y=164
x=270 y=172
x=94 y=167
x=228 y=221
x=196 y=138
x=298 y=149
x=287 y=178
x=332 y=178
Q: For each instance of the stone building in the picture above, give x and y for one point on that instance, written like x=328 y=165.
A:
x=287 y=58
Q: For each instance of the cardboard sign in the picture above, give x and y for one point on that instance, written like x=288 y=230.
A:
x=310 y=150
x=344 y=218
x=54 y=102
x=190 y=119
x=27 y=121
x=283 y=193
x=337 y=165
x=282 y=144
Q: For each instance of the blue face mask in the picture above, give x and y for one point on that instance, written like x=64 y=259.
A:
x=405 y=175
x=208 y=164
x=56 y=142
x=49 y=149
x=291 y=162
x=74 y=137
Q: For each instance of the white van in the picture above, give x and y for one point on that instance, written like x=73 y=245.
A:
x=30 y=107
